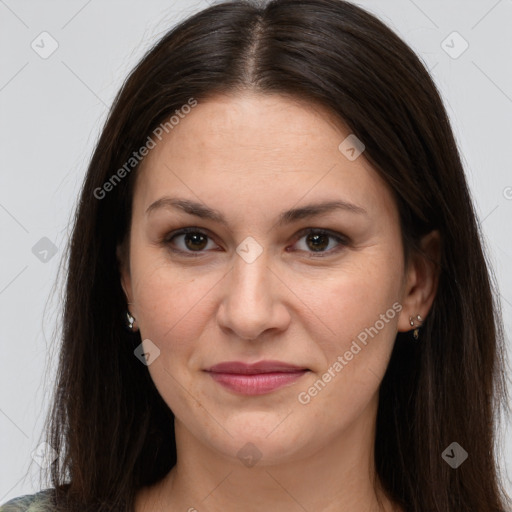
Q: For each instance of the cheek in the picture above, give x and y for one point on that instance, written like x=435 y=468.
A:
x=172 y=303
x=361 y=308
x=171 y=309
x=357 y=296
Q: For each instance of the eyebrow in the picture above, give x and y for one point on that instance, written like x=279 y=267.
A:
x=286 y=217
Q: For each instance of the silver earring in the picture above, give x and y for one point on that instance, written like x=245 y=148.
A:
x=130 y=321
x=416 y=332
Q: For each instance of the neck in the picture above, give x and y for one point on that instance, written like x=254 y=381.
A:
x=339 y=477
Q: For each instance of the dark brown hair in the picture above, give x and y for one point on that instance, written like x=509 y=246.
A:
x=111 y=428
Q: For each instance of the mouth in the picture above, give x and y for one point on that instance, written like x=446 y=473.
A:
x=257 y=378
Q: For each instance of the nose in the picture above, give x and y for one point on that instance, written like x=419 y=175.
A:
x=252 y=302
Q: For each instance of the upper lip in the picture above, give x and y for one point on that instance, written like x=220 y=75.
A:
x=239 y=367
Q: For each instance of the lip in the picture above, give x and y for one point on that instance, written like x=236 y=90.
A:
x=256 y=378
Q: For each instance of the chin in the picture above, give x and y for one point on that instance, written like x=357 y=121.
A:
x=264 y=441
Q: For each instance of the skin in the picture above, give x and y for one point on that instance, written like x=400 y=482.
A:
x=252 y=156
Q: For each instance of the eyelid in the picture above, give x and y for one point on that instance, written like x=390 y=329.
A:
x=339 y=237
x=331 y=233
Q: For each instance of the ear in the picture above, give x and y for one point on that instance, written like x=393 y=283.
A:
x=124 y=270
x=421 y=281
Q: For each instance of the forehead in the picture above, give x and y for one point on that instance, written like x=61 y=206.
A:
x=252 y=152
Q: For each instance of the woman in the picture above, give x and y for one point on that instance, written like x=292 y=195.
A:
x=277 y=210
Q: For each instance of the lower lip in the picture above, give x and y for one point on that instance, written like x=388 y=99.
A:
x=256 y=384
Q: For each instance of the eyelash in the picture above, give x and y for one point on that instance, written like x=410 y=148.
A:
x=342 y=241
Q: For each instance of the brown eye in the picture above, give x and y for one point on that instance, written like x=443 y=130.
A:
x=319 y=242
x=195 y=241
x=188 y=241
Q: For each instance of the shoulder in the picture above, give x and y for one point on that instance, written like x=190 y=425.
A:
x=38 y=502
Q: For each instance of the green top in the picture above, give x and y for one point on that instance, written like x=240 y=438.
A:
x=38 y=502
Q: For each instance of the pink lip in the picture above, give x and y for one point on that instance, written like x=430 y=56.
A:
x=255 y=379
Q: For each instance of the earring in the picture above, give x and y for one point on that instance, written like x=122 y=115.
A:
x=130 y=321
x=417 y=330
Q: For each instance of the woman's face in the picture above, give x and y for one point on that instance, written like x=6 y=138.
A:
x=265 y=275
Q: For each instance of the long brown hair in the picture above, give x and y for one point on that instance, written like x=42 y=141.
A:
x=109 y=425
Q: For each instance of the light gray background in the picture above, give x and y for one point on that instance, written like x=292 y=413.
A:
x=51 y=111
